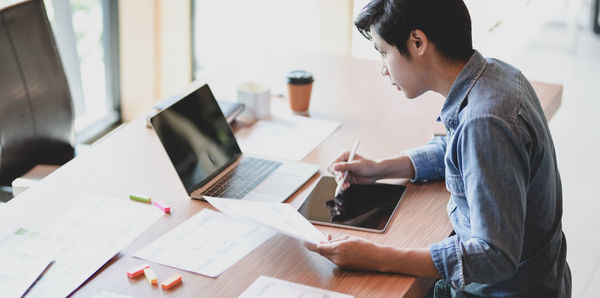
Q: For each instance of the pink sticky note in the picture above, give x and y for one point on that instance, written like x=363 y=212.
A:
x=162 y=206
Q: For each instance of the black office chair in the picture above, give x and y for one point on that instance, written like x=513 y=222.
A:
x=36 y=112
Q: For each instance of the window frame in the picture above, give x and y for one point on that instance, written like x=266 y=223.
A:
x=110 y=14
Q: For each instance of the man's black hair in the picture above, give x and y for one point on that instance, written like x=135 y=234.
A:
x=446 y=23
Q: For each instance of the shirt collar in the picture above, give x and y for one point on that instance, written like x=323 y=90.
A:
x=464 y=82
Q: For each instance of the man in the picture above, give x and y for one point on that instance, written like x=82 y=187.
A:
x=497 y=159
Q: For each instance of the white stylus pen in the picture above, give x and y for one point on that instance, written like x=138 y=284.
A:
x=338 y=189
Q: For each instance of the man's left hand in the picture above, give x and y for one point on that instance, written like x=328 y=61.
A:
x=350 y=252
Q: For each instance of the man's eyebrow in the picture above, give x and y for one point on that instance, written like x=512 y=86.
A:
x=375 y=46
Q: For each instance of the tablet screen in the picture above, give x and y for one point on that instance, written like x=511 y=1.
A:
x=363 y=207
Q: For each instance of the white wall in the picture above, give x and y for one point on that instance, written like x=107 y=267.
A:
x=155 y=52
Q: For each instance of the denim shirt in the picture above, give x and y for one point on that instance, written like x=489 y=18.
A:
x=500 y=168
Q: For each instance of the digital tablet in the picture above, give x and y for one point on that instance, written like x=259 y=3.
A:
x=362 y=207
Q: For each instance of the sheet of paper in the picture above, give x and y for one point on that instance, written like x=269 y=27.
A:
x=22 y=263
x=86 y=237
x=268 y=287
x=287 y=137
x=207 y=243
x=278 y=216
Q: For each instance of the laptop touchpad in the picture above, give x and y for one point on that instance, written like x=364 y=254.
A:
x=280 y=185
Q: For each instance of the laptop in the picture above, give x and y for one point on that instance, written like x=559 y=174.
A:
x=209 y=161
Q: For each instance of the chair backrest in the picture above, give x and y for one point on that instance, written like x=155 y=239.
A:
x=36 y=111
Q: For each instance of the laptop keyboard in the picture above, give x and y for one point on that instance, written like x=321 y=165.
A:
x=243 y=178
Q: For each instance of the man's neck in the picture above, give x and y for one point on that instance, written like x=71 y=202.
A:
x=445 y=73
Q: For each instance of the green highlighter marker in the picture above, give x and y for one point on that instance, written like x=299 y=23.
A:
x=140 y=198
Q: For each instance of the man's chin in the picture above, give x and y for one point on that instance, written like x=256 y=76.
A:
x=408 y=94
x=412 y=95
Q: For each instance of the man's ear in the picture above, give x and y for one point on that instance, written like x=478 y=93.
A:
x=418 y=42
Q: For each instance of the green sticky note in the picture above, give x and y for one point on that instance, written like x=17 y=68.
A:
x=140 y=198
x=21 y=231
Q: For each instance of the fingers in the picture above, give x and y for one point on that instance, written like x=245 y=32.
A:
x=314 y=247
x=338 y=169
x=341 y=167
x=331 y=246
x=350 y=178
x=331 y=241
x=342 y=158
x=342 y=251
x=338 y=177
x=339 y=239
x=355 y=165
x=326 y=249
x=310 y=246
x=346 y=185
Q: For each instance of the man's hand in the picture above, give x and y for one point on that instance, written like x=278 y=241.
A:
x=360 y=254
x=360 y=170
x=350 y=252
x=365 y=171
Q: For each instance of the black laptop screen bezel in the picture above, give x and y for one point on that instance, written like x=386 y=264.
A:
x=205 y=99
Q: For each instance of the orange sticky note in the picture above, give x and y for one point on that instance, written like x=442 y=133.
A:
x=172 y=281
x=137 y=271
x=151 y=276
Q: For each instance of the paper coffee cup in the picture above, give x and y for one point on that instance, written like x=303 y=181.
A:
x=299 y=83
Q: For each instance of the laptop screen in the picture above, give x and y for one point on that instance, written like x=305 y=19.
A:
x=197 y=138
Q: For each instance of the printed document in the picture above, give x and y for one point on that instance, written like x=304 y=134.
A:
x=85 y=238
x=207 y=243
x=280 y=217
x=22 y=263
x=288 y=137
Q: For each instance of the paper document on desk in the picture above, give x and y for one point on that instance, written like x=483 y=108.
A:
x=207 y=243
x=22 y=263
x=268 y=287
x=280 y=217
x=85 y=238
x=287 y=137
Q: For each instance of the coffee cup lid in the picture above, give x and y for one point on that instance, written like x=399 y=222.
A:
x=299 y=77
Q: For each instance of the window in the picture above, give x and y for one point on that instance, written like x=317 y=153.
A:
x=86 y=33
x=222 y=28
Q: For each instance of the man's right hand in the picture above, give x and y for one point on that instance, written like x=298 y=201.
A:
x=360 y=170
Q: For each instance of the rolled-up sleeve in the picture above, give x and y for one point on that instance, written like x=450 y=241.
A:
x=446 y=256
x=428 y=160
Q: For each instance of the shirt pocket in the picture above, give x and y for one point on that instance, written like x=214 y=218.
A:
x=455 y=185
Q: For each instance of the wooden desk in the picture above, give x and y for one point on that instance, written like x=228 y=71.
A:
x=346 y=89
